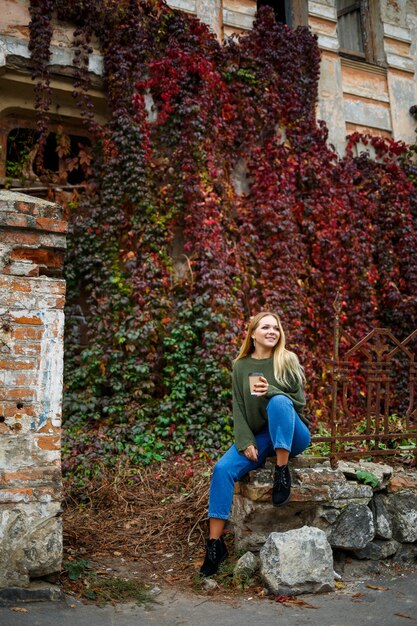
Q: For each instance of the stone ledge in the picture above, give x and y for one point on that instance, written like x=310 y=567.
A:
x=35 y=592
x=332 y=500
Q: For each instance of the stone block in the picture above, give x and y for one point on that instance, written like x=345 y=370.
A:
x=382 y=519
x=382 y=472
x=31 y=542
x=377 y=550
x=353 y=529
x=352 y=491
x=297 y=561
x=402 y=508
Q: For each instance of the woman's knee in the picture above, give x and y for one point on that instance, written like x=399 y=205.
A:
x=279 y=402
x=223 y=470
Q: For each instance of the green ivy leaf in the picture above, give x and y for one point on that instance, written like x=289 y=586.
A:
x=367 y=478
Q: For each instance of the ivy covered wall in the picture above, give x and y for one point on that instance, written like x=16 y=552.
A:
x=214 y=195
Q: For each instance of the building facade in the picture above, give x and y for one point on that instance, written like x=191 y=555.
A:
x=369 y=57
x=368 y=65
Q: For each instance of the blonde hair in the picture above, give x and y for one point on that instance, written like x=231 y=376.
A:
x=287 y=367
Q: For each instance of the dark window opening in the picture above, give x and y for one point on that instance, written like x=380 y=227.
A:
x=62 y=159
x=279 y=9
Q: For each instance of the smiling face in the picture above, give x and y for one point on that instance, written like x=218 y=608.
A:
x=266 y=334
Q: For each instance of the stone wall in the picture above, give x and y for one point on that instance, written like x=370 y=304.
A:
x=366 y=522
x=32 y=242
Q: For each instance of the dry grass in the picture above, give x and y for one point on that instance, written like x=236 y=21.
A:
x=155 y=516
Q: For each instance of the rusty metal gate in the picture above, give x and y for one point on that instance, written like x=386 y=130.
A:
x=373 y=401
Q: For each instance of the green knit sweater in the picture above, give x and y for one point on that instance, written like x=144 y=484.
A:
x=249 y=412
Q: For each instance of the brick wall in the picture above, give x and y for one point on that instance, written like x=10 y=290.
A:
x=32 y=295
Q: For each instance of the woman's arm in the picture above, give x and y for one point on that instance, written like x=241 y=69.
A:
x=244 y=437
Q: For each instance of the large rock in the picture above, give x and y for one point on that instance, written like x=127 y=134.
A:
x=382 y=519
x=402 y=508
x=31 y=544
x=297 y=561
x=353 y=529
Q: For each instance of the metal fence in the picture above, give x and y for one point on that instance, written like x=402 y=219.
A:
x=373 y=402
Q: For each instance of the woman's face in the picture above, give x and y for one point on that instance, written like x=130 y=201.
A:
x=266 y=334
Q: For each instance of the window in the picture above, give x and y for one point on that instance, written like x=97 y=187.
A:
x=291 y=12
x=63 y=157
x=359 y=28
x=349 y=26
x=278 y=6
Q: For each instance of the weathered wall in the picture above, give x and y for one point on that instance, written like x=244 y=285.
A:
x=32 y=242
x=359 y=95
x=353 y=94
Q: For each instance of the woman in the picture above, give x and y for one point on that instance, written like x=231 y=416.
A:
x=270 y=423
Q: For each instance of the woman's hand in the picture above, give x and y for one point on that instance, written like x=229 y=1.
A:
x=251 y=453
x=261 y=387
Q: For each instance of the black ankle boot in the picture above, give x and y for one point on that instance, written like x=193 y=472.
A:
x=281 y=491
x=216 y=552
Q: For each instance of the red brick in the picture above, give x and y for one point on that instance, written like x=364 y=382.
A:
x=13 y=364
x=15 y=284
x=20 y=395
x=14 y=220
x=8 y=496
x=27 y=349
x=52 y=225
x=11 y=410
x=24 y=333
x=40 y=256
x=25 y=238
x=48 y=426
x=30 y=208
x=51 y=442
x=30 y=475
x=28 y=320
x=16 y=378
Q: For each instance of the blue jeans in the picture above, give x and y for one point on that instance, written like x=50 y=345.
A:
x=285 y=430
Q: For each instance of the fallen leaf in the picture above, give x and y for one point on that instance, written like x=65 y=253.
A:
x=339 y=585
x=282 y=598
x=18 y=609
x=376 y=587
x=358 y=595
x=302 y=603
x=400 y=614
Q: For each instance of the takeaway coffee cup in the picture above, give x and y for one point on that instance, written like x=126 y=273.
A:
x=253 y=379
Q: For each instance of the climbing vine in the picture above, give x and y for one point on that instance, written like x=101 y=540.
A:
x=214 y=194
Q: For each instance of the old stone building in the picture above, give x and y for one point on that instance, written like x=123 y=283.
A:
x=368 y=65
x=367 y=83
